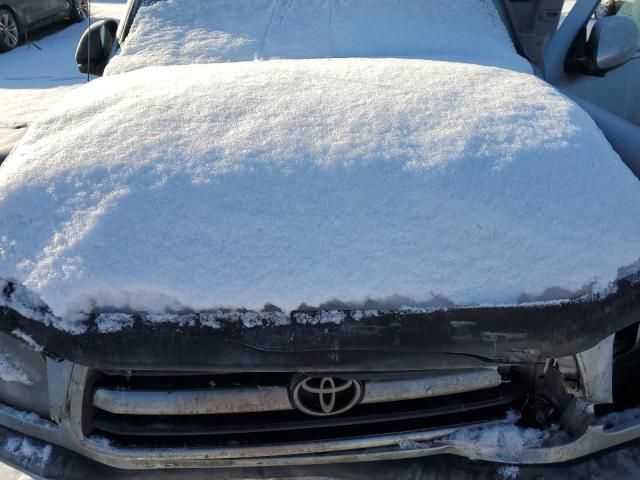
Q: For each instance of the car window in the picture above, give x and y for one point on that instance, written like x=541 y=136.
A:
x=567 y=6
x=178 y=32
x=606 y=8
x=629 y=8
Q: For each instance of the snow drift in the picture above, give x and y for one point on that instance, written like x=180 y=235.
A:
x=291 y=181
x=182 y=32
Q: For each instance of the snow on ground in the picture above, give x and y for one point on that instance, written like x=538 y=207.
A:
x=208 y=187
x=21 y=446
x=35 y=76
x=8 y=473
x=32 y=79
x=36 y=452
x=175 y=32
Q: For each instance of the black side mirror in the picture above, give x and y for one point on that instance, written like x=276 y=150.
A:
x=94 y=47
x=613 y=41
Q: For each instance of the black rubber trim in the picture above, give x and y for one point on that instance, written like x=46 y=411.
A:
x=391 y=341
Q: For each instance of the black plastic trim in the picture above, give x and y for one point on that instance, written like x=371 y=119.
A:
x=391 y=341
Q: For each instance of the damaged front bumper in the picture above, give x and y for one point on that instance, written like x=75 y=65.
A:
x=64 y=464
x=557 y=362
x=41 y=457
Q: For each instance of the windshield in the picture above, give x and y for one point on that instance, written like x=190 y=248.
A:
x=175 y=32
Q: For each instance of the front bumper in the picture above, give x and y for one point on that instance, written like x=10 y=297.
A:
x=64 y=464
x=416 y=444
x=444 y=339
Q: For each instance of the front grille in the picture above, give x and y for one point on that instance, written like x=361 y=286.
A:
x=378 y=412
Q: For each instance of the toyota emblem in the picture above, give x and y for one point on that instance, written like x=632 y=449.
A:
x=323 y=396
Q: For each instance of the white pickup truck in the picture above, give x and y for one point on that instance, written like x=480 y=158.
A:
x=329 y=238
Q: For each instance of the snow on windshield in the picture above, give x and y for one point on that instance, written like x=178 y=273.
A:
x=172 y=32
x=204 y=186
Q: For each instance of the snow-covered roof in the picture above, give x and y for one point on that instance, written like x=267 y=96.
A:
x=291 y=181
x=180 y=32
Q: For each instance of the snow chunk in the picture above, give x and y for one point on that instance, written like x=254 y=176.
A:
x=113 y=322
x=323 y=316
x=249 y=319
x=180 y=320
x=12 y=370
x=408 y=444
x=207 y=187
x=620 y=419
x=509 y=472
x=15 y=296
x=34 y=452
x=210 y=320
x=28 y=339
x=20 y=299
x=359 y=315
x=98 y=440
x=630 y=271
x=506 y=436
x=182 y=32
x=110 y=322
x=29 y=417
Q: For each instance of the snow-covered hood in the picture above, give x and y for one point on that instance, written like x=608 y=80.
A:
x=307 y=181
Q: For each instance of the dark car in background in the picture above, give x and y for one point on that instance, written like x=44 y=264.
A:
x=19 y=17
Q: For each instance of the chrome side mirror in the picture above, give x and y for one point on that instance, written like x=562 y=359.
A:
x=612 y=43
x=94 y=47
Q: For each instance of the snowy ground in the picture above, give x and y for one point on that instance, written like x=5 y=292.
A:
x=32 y=79
x=36 y=75
x=7 y=473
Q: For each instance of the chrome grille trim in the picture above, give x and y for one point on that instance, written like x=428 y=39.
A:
x=432 y=386
x=420 y=443
x=276 y=398
x=192 y=402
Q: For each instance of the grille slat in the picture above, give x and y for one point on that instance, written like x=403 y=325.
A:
x=186 y=412
x=192 y=402
x=149 y=425
x=268 y=398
